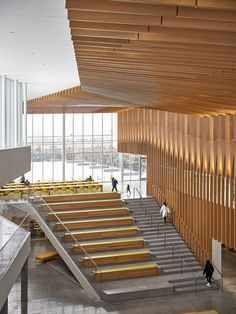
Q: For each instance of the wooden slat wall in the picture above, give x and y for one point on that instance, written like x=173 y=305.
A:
x=191 y=164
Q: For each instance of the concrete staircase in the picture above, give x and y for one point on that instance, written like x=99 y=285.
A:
x=180 y=271
x=169 y=250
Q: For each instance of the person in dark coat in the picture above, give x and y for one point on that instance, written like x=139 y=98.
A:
x=114 y=184
x=128 y=192
x=208 y=270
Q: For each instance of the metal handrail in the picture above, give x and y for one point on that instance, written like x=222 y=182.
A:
x=182 y=261
x=204 y=252
x=18 y=227
x=12 y=245
x=75 y=240
x=141 y=199
x=221 y=277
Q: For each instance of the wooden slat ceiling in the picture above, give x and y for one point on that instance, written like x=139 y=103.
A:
x=74 y=100
x=172 y=55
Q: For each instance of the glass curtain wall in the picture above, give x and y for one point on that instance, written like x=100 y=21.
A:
x=12 y=101
x=75 y=146
x=1 y=110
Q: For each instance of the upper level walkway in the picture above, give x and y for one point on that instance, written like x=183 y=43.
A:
x=14 y=251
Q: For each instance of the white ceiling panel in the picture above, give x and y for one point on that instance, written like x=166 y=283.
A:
x=35 y=45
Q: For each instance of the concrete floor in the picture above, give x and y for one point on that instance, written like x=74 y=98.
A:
x=52 y=293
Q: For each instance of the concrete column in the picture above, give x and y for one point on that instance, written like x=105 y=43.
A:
x=63 y=147
x=4 y=309
x=16 y=113
x=24 y=282
x=3 y=120
x=25 y=114
x=217 y=258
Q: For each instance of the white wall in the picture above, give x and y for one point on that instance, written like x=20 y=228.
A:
x=217 y=258
x=14 y=162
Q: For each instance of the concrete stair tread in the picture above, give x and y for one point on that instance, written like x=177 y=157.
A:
x=162 y=248
x=190 y=283
x=160 y=245
x=192 y=289
x=168 y=254
x=165 y=256
x=177 y=264
x=136 y=292
x=189 y=277
x=170 y=260
x=153 y=239
x=185 y=269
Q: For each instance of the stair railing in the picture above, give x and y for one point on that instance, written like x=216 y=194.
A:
x=190 y=236
x=204 y=253
x=142 y=202
x=166 y=242
x=221 y=277
x=183 y=263
x=158 y=229
x=79 y=263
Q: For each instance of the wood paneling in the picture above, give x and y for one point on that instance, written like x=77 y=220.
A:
x=74 y=100
x=191 y=164
x=174 y=55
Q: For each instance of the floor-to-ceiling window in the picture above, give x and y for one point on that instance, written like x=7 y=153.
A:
x=12 y=112
x=75 y=146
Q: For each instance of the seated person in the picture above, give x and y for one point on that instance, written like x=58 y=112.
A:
x=27 y=182
x=89 y=178
x=22 y=179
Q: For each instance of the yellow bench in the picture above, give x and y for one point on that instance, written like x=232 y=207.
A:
x=117 y=257
x=81 y=197
x=47 y=256
x=93 y=223
x=84 y=204
x=204 y=312
x=116 y=244
x=103 y=234
x=124 y=272
x=90 y=213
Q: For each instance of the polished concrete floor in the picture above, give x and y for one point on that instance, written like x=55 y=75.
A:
x=52 y=292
